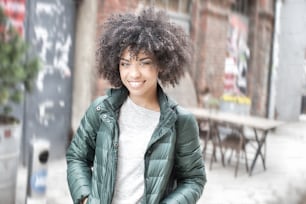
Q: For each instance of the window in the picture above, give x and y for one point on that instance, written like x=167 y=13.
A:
x=178 y=10
x=241 y=6
x=179 y=6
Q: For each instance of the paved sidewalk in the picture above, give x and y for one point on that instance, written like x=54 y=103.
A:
x=284 y=181
x=57 y=188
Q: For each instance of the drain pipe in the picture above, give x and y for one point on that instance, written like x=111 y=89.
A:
x=274 y=62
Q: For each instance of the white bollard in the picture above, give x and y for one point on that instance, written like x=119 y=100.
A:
x=37 y=172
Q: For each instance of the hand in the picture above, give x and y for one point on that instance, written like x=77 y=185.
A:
x=84 y=201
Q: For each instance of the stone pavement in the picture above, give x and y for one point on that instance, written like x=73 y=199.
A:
x=284 y=181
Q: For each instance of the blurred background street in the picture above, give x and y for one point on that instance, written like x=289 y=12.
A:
x=282 y=183
x=249 y=59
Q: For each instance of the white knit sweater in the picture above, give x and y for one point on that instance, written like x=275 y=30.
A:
x=136 y=126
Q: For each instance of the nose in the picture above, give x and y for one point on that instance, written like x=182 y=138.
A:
x=134 y=71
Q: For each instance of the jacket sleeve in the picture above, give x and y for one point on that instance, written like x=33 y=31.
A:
x=189 y=164
x=80 y=155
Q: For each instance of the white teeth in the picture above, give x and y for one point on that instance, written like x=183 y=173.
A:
x=135 y=84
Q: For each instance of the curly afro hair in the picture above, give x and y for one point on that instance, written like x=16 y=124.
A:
x=151 y=31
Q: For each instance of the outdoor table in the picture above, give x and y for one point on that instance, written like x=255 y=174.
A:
x=257 y=124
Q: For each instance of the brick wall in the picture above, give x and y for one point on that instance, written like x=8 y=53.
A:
x=212 y=42
x=261 y=28
x=209 y=24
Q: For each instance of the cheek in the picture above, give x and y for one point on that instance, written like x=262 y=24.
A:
x=121 y=73
x=155 y=74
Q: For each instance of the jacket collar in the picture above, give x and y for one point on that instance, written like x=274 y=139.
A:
x=168 y=114
x=117 y=96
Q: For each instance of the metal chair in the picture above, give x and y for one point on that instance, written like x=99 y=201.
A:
x=204 y=132
x=229 y=138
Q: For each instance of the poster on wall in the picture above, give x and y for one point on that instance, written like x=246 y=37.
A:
x=238 y=53
x=15 y=10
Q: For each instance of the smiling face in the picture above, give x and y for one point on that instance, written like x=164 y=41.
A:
x=139 y=74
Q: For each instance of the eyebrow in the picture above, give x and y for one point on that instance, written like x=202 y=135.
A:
x=145 y=58
x=141 y=59
x=121 y=58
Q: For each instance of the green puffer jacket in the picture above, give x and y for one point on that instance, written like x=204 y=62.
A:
x=174 y=168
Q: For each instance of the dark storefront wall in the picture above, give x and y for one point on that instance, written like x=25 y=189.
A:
x=47 y=111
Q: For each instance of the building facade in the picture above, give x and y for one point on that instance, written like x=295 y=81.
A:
x=232 y=43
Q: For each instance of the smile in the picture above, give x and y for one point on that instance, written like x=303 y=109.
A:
x=136 y=84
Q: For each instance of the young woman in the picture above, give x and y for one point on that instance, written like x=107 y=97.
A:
x=135 y=145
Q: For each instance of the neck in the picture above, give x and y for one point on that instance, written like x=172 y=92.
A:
x=150 y=103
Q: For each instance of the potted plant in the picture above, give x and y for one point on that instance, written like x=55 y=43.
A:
x=17 y=70
x=18 y=73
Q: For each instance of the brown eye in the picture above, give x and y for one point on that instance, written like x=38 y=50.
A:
x=124 y=64
x=146 y=63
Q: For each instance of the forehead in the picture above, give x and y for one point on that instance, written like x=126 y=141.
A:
x=129 y=54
